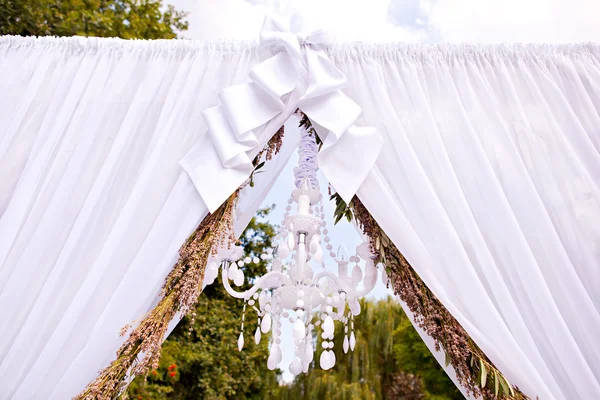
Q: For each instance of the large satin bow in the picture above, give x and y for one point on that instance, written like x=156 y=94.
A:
x=299 y=75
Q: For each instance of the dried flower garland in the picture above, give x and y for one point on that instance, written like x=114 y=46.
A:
x=141 y=352
x=474 y=371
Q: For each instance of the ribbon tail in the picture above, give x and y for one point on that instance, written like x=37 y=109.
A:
x=349 y=152
x=347 y=162
x=199 y=163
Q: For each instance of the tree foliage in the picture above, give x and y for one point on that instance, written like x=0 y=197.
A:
x=390 y=361
x=206 y=364
x=127 y=19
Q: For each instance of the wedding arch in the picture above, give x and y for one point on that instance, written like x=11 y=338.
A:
x=474 y=171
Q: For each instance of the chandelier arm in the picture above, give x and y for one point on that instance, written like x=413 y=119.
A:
x=345 y=287
x=246 y=295
x=365 y=291
x=335 y=278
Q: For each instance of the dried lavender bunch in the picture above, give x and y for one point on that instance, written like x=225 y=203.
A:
x=178 y=296
x=474 y=371
x=274 y=144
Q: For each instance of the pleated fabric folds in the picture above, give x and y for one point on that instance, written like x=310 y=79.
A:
x=489 y=185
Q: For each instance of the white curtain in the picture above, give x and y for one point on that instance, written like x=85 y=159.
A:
x=93 y=202
x=489 y=184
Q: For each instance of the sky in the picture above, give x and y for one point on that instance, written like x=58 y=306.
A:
x=489 y=21
x=425 y=21
x=341 y=234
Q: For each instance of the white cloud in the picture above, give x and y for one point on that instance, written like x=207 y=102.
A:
x=356 y=20
x=369 y=20
x=221 y=19
x=348 y=19
x=494 y=21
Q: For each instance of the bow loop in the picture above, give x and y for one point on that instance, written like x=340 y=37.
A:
x=299 y=75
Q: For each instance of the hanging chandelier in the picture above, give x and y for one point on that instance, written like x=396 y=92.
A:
x=298 y=287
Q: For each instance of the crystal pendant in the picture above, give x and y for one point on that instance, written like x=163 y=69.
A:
x=231 y=274
x=324 y=360
x=356 y=275
x=319 y=255
x=274 y=357
x=291 y=242
x=314 y=244
x=346 y=344
x=296 y=366
x=265 y=324
x=328 y=326
x=331 y=358
x=283 y=251
x=239 y=278
x=308 y=352
x=257 y=336
x=241 y=341
x=299 y=329
x=352 y=341
x=355 y=307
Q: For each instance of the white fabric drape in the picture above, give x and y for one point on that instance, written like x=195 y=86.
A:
x=93 y=202
x=489 y=185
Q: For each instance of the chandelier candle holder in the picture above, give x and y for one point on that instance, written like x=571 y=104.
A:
x=292 y=289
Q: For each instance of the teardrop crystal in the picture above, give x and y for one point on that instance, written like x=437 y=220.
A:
x=265 y=324
x=274 y=357
x=308 y=352
x=257 y=336
x=328 y=326
x=239 y=278
x=282 y=250
x=296 y=366
x=352 y=341
x=355 y=307
x=319 y=255
x=314 y=244
x=331 y=358
x=346 y=344
x=241 y=341
x=299 y=329
x=291 y=241
x=324 y=360
x=231 y=274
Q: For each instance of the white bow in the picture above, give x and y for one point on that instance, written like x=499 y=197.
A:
x=301 y=76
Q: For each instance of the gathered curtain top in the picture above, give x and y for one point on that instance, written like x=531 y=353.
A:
x=338 y=50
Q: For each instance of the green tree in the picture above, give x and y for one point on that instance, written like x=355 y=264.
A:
x=389 y=362
x=128 y=19
x=206 y=364
x=412 y=355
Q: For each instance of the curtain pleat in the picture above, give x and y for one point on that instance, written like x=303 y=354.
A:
x=489 y=184
x=93 y=203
